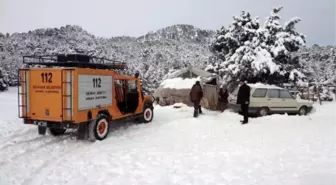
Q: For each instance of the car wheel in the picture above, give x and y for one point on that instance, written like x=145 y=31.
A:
x=303 y=111
x=263 y=111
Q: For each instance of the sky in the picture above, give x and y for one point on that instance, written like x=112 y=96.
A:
x=109 y=18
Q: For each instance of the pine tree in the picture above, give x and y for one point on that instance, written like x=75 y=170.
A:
x=260 y=53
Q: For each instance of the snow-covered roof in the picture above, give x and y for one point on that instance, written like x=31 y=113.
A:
x=196 y=71
x=179 y=83
x=266 y=86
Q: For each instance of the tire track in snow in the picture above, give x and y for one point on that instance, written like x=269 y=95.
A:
x=42 y=171
x=21 y=136
x=16 y=143
x=45 y=168
x=34 y=149
x=34 y=159
x=48 y=165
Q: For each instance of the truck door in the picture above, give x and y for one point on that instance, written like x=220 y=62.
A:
x=44 y=93
x=132 y=96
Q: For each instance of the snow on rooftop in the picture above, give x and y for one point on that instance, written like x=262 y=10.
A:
x=179 y=83
x=261 y=85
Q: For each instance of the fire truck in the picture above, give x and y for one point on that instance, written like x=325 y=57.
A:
x=81 y=92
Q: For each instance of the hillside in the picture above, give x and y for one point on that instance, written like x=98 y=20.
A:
x=172 y=46
x=153 y=54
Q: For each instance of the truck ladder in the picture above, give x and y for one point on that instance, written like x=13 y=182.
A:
x=67 y=95
x=23 y=93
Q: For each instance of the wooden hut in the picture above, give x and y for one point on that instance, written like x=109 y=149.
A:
x=175 y=87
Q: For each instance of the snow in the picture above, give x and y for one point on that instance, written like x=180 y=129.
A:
x=175 y=149
x=179 y=83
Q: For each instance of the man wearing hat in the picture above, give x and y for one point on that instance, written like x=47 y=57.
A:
x=243 y=99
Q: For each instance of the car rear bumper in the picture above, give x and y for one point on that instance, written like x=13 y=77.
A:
x=234 y=107
x=309 y=109
x=237 y=108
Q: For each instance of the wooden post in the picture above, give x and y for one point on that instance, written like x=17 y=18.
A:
x=309 y=94
x=318 y=95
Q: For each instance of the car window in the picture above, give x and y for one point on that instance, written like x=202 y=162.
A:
x=273 y=93
x=259 y=93
x=132 y=86
x=285 y=94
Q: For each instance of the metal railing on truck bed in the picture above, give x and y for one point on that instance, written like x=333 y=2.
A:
x=74 y=60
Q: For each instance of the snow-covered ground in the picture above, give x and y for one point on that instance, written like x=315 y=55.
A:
x=175 y=149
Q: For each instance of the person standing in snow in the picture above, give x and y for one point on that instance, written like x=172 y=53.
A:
x=196 y=94
x=223 y=99
x=243 y=99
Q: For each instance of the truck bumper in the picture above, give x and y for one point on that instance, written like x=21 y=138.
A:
x=50 y=124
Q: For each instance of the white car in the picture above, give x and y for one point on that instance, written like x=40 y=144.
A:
x=269 y=99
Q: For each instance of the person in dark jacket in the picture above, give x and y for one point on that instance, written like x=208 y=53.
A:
x=223 y=99
x=196 y=94
x=244 y=99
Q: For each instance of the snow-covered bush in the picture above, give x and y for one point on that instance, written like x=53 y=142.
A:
x=260 y=53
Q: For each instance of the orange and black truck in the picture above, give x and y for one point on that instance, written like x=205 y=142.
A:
x=80 y=92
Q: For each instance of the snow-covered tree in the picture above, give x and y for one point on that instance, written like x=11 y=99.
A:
x=319 y=63
x=260 y=53
x=3 y=80
x=151 y=55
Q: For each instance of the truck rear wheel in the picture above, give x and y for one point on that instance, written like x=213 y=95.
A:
x=99 y=128
x=57 y=131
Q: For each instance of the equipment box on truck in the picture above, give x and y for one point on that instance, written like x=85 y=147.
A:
x=79 y=92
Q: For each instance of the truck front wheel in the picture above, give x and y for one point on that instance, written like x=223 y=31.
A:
x=148 y=115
